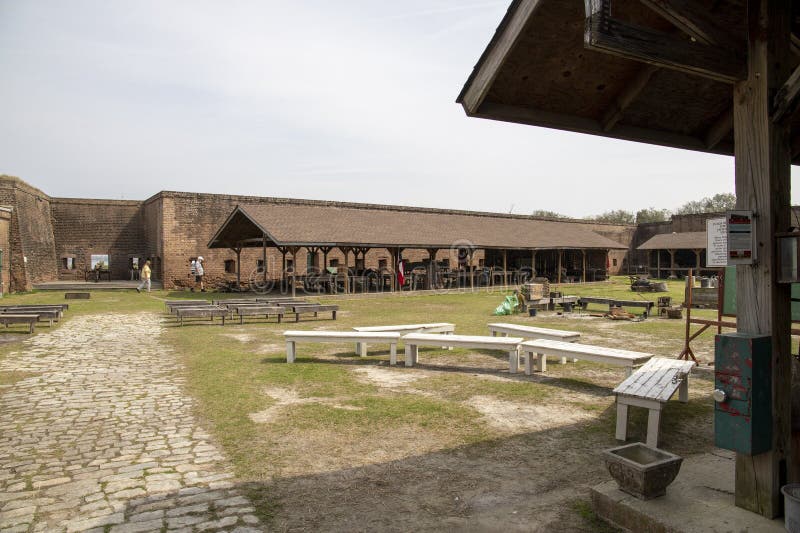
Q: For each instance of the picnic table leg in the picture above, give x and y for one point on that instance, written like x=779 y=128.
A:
x=683 y=390
x=653 y=423
x=541 y=362
x=628 y=371
x=622 y=421
x=393 y=354
x=513 y=361
x=528 y=362
x=411 y=354
x=333 y=313
x=290 y=351
x=361 y=349
x=280 y=316
x=563 y=360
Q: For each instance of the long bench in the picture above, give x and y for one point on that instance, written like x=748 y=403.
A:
x=208 y=311
x=304 y=308
x=7 y=319
x=171 y=305
x=49 y=314
x=437 y=327
x=256 y=311
x=536 y=352
x=651 y=387
x=20 y=308
x=342 y=337
x=532 y=332
x=413 y=341
x=613 y=302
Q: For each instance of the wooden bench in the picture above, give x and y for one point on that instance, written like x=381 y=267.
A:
x=77 y=295
x=532 y=332
x=43 y=313
x=507 y=344
x=8 y=319
x=299 y=309
x=257 y=310
x=437 y=327
x=651 y=387
x=536 y=352
x=611 y=302
x=170 y=305
x=208 y=311
x=293 y=337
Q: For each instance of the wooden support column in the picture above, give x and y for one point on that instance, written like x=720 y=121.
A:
x=470 y=270
x=264 y=258
x=658 y=264
x=505 y=267
x=238 y=252
x=583 y=259
x=762 y=150
x=697 y=260
x=671 y=263
x=533 y=264
x=430 y=282
x=283 y=250
x=649 y=261
x=346 y=251
x=558 y=276
x=293 y=250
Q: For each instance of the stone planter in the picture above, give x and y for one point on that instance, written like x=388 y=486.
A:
x=642 y=471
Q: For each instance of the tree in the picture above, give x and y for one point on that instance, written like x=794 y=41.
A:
x=715 y=204
x=547 y=214
x=618 y=216
x=651 y=214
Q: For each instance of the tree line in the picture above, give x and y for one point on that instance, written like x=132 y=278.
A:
x=714 y=204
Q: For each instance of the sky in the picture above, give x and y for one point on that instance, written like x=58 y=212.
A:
x=352 y=100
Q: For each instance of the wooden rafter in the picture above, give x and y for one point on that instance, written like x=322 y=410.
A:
x=719 y=130
x=787 y=98
x=690 y=17
x=603 y=33
x=627 y=96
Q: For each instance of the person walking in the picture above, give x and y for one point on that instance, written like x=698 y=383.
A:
x=199 y=273
x=145 y=277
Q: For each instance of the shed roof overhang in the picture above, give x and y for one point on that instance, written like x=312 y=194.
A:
x=641 y=70
x=240 y=231
x=691 y=240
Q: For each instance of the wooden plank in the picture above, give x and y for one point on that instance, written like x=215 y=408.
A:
x=606 y=34
x=626 y=97
x=490 y=64
x=690 y=17
x=788 y=97
x=720 y=129
x=762 y=169
x=531 y=332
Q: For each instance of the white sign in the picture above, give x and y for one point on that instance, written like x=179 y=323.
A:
x=717 y=243
x=741 y=231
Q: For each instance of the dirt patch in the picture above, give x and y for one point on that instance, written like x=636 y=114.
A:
x=241 y=337
x=270 y=348
x=511 y=417
x=285 y=398
x=386 y=377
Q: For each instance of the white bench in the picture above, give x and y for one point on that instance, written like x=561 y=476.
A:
x=437 y=327
x=651 y=387
x=531 y=332
x=536 y=352
x=293 y=337
x=507 y=344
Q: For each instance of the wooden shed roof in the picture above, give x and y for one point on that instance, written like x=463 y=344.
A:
x=690 y=240
x=319 y=225
x=552 y=64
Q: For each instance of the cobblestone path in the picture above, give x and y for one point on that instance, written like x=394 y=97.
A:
x=102 y=437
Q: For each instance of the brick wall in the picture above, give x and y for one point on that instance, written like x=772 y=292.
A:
x=85 y=227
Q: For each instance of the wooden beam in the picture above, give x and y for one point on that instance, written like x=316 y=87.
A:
x=762 y=168
x=627 y=96
x=499 y=49
x=787 y=98
x=606 y=34
x=720 y=129
x=690 y=17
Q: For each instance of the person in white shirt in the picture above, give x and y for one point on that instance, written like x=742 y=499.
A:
x=199 y=272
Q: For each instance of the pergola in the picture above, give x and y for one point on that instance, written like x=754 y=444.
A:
x=694 y=242
x=718 y=76
x=358 y=228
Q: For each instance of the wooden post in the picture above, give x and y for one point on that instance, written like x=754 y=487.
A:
x=264 y=257
x=649 y=261
x=533 y=264
x=583 y=257
x=430 y=283
x=658 y=264
x=469 y=269
x=671 y=263
x=763 y=159
x=505 y=267
x=558 y=277
x=346 y=252
x=238 y=251
x=697 y=260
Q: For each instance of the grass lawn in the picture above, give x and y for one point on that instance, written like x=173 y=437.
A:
x=341 y=442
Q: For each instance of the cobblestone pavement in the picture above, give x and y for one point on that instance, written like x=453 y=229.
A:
x=102 y=438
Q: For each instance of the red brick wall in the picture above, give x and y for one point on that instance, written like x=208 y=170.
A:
x=84 y=227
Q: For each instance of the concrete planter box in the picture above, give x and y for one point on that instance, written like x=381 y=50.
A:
x=642 y=471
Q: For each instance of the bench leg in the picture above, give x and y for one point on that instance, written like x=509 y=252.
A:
x=280 y=316
x=653 y=425
x=393 y=354
x=541 y=362
x=628 y=371
x=563 y=360
x=361 y=349
x=333 y=313
x=411 y=354
x=683 y=390
x=513 y=361
x=622 y=421
x=494 y=334
x=290 y=351
x=528 y=362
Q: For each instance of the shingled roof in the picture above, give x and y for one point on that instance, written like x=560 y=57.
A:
x=315 y=225
x=690 y=240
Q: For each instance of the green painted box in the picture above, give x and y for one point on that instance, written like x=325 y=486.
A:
x=743 y=393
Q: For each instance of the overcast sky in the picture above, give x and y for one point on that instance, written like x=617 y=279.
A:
x=349 y=100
